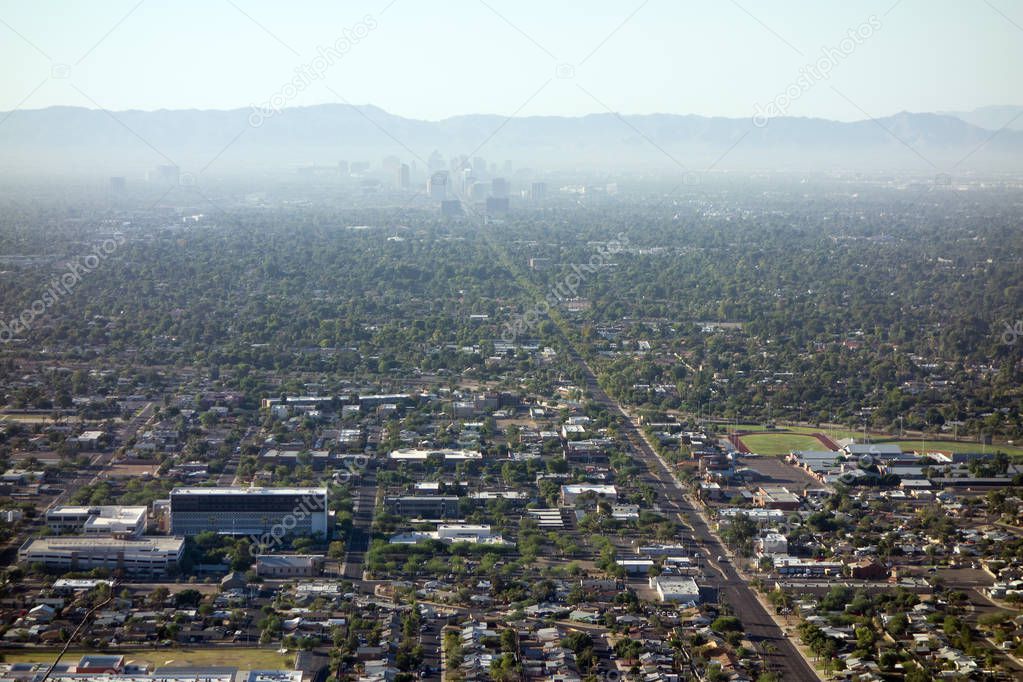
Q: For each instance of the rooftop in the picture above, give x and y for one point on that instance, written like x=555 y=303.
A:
x=154 y=543
x=423 y=454
x=238 y=490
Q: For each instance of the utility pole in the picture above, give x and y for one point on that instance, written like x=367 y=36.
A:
x=88 y=615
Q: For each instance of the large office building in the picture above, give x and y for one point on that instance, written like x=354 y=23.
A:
x=249 y=511
x=151 y=556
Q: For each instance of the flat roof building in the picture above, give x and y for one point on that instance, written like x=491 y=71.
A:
x=289 y=565
x=676 y=589
x=776 y=497
x=569 y=493
x=422 y=454
x=423 y=506
x=93 y=668
x=142 y=556
x=249 y=511
x=97 y=520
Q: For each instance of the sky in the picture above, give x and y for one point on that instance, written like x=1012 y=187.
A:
x=432 y=60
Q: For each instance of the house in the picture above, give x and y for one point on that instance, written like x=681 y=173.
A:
x=44 y=613
x=233 y=581
x=88 y=440
x=772 y=543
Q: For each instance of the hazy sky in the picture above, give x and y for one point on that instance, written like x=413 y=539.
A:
x=436 y=59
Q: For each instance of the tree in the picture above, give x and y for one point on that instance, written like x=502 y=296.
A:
x=158 y=596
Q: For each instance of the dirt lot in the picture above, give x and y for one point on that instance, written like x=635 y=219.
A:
x=774 y=471
x=131 y=470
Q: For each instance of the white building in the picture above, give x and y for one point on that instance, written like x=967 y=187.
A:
x=636 y=566
x=755 y=514
x=664 y=550
x=462 y=532
x=790 y=565
x=98 y=520
x=422 y=454
x=625 y=512
x=772 y=543
x=451 y=533
x=145 y=556
x=677 y=589
x=570 y=492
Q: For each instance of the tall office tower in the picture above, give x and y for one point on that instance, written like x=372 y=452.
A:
x=538 y=191
x=478 y=191
x=479 y=167
x=166 y=174
x=437 y=186
x=499 y=188
x=403 y=176
x=465 y=180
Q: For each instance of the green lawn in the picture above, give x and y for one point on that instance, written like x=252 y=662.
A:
x=237 y=657
x=773 y=443
x=780 y=443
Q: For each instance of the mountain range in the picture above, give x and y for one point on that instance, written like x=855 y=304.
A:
x=74 y=140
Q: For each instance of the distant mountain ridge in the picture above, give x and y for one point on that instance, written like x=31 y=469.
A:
x=1008 y=117
x=74 y=139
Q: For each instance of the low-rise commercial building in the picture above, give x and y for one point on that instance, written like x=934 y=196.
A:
x=423 y=506
x=676 y=589
x=569 y=493
x=97 y=520
x=289 y=565
x=776 y=497
x=444 y=454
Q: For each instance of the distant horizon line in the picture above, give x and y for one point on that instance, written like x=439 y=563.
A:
x=937 y=112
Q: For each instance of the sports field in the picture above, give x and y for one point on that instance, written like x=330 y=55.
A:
x=780 y=443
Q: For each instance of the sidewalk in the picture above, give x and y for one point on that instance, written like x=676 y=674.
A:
x=799 y=646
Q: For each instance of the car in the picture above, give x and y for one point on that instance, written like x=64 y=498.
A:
x=721 y=558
